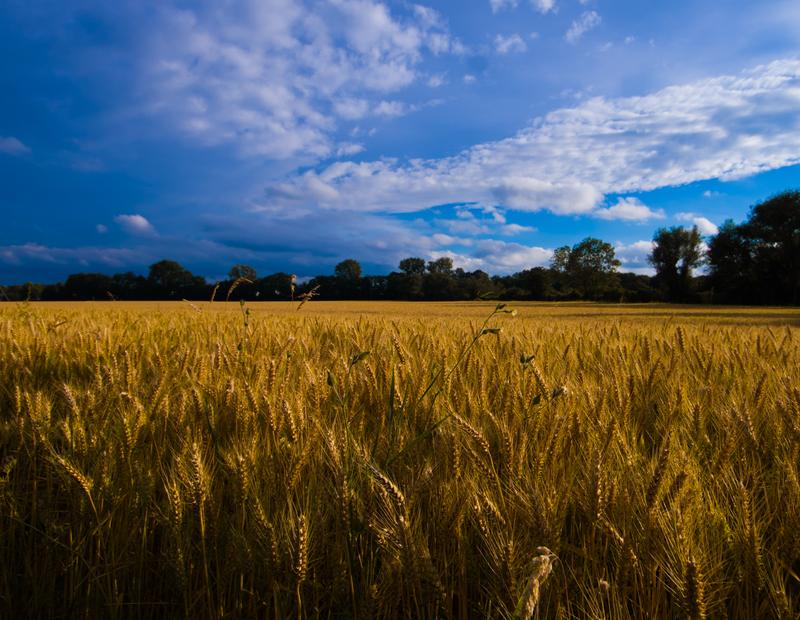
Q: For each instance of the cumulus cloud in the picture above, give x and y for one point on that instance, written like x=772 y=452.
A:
x=704 y=225
x=566 y=162
x=509 y=44
x=586 y=22
x=629 y=209
x=12 y=146
x=135 y=224
x=273 y=77
x=497 y=256
x=633 y=256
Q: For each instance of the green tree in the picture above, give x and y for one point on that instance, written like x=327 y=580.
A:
x=758 y=261
x=676 y=252
x=560 y=260
x=590 y=267
x=412 y=265
x=774 y=231
x=243 y=271
x=443 y=265
x=88 y=286
x=348 y=270
x=171 y=279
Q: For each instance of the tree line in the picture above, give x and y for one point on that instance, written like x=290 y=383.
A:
x=754 y=262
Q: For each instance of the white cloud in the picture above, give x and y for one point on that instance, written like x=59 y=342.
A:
x=272 y=77
x=586 y=22
x=391 y=109
x=498 y=257
x=718 y=128
x=499 y=5
x=437 y=80
x=101 y=228
x=515 y=229
x=12 y=146
x=544 y=6
x=511 y=44
x=351 y=109
x=704 y=225
x=135 y=224
x=629 y=209
x=711 y=194
x=469 y=79
x=633 y=256
x=346 y=149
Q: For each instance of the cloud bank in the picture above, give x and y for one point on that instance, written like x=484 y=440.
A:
x=720 y=128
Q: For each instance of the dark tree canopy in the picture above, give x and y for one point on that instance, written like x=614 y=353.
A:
x=412 y=265
x=243 y=271
x=676 y=252
x=348 y=270
x=173 y=279
x=589 y=267
x=758 y=261
x=443 y=265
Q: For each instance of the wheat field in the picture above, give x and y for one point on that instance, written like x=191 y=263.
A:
x=417 y=460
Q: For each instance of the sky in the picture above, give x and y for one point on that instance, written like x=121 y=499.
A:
x=292 y=134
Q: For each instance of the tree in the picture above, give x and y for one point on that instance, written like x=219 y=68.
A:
x=412 y=265
x=730 y=262
x=590 y=267
x=88 y=286
x=758 y=261
x=677 y=251
x=243 y=271
x=560 y=260
x=443 y=265
x=348 y=270
x=774 y=230
x=173 y=280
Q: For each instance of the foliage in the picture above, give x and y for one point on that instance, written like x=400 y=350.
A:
x=676 y=252
x=247 y=272
x=348 y=270
x=758 y=261
x=589 y=266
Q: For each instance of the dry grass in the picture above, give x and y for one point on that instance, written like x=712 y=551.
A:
x=165 y=460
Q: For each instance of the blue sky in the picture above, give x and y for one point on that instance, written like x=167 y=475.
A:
x=292 y=134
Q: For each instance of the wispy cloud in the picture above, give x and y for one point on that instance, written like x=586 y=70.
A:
x=719 y=128
x=509 y=44
x=273 y=78
x=499 y=5
x=544 y=6
x=12 y=146
x=586 y=22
